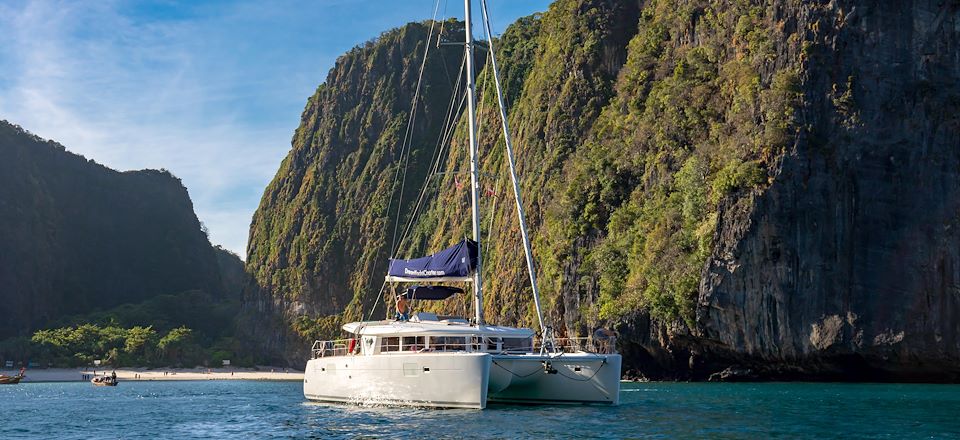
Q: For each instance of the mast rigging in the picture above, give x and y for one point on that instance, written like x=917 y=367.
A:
x=474 y=174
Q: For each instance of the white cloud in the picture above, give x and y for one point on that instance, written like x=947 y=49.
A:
x=132 y=96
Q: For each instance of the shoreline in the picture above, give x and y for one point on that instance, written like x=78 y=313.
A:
x=159 y=374
x=55 y=375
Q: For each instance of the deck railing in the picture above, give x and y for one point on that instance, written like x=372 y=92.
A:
x=337 y=347
x=574 y=345
x=344 y=347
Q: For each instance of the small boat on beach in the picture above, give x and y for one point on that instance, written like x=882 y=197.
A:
x=12 y=380
x=104 y=381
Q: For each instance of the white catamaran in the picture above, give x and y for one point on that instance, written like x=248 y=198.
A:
x=444 y=361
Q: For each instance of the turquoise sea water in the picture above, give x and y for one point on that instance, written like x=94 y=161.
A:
x=234 y=409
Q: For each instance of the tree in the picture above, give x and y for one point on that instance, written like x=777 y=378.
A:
x=177 y=345
x=139 y=343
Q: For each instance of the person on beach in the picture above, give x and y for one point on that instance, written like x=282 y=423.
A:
x=403 y=308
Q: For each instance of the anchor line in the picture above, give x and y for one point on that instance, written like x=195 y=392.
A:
x=597 y=371
x=515 y=374
x=587 y=379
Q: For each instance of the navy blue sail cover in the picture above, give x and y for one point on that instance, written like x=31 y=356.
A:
x=431 y=292
x=455 y=261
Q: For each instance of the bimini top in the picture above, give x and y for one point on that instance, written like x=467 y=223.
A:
x=452 y=264
x=402 y=328
x=431 y=292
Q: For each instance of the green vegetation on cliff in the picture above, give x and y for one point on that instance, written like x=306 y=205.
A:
x=322 y=231
x=691 y=126
x=634 y=127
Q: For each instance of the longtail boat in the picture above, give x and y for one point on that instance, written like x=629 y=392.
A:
x=12 y=380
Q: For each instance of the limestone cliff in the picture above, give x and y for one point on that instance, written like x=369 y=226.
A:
x=76 y=236
x=772 y=186
x=848 y=265
x=322 y=231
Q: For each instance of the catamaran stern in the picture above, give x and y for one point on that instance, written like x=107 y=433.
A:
x=568 y=378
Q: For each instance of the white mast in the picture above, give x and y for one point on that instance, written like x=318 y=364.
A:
x=521 y=218
x=474 y=176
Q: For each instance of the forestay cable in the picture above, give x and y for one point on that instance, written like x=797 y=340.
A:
x=408 y=134
x=407 y=140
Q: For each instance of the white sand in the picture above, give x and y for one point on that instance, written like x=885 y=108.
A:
x=128 y=374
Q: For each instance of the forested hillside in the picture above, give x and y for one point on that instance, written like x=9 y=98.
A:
x=83 y=244
x=772 y=186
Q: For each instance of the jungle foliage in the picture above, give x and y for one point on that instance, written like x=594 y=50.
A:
x=187 y=329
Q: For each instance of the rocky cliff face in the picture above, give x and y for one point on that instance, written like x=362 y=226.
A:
x=769 y=186
x=321 y=233
x=76 y=236
x=849 y=264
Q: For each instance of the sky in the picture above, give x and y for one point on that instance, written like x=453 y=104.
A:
x=209 y=90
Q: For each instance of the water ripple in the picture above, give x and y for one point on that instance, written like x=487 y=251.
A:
x=234 y=409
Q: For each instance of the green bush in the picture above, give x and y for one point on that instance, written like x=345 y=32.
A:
x=691 y=123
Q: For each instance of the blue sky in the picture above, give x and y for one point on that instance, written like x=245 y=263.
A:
x=211 y=90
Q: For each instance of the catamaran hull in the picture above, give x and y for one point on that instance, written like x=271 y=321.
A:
x=464 y=380
x=444 y=380
x=570 y=378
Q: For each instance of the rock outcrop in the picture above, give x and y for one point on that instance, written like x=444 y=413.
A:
x=76 y=236
x=848 y=265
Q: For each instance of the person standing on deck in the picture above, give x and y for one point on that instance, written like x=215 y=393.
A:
x=605 y=340
x=403 y=308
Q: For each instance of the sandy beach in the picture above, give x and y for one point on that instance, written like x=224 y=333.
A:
x=134 y=374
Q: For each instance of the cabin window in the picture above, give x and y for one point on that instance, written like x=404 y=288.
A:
x=448 y=343
x=389 y=344
x=517 y=344
x=413 y=343
x=492 y=344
